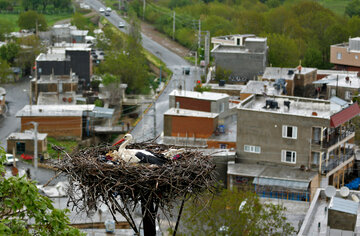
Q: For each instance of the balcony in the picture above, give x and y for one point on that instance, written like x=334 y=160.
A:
x=332 y=163
x=335 y=137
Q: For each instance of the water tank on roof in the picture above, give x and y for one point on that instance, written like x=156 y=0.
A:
x=354 y=44
x=221 y=83
x=290 y=72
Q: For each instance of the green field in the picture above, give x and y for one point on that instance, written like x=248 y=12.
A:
x=337 y=6
x=51 y=19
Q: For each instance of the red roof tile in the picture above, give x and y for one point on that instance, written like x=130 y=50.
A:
x=344 y=115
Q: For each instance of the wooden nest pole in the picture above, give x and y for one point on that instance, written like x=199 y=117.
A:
x=124 y=186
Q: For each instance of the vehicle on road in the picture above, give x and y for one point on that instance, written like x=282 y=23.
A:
x=10 y=159
x=107 y=13
x=121 y=24
x=108 y=9
x=186 y=70
x=101 y=10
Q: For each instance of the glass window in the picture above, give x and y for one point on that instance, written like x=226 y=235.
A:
x=289 y=132
x=339 y=56
x=288 y=156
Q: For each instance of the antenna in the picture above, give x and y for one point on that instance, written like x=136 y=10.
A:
x=330 y=191
x=344 y=191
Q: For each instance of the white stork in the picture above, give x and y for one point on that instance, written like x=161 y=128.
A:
x=135 y=155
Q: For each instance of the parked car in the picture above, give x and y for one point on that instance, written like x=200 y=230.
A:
x=186 y=70
x=108 y=9
x=121 y=24
x=101 y=10
x=10 y=159
x=107 y=13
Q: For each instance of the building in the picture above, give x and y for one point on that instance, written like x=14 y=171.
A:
x=338 y=215
x=23 y=143
x=61 y=121
x=297 y=79
x=244 y=55
x=64 y=59
x=346 y=56
x=263 y=87
x=64 y=33
x=298 y=133
x=199 y=119
x=54 y=89
x=340 y=85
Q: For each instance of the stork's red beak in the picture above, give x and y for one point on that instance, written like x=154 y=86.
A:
x=118 y=142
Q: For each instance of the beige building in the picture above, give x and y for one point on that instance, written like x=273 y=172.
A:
x=297 y=133
x=23 y=143
x=346 y=56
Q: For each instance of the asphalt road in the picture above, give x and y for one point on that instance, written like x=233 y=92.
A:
x=17 y=96
x=145 y=128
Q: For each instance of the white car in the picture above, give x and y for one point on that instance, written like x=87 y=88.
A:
x=108 y=9
x=10 y=159
x=121 y=24
x=101 y=10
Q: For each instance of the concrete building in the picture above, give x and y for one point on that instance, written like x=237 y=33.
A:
x=65 y=58
x=297 y=79
x=23 y=143
x=338 y=215
x=64 y=33
x=244 y=55
x=346 y=56
x=61 y=121
x=340 y=85
x=295 y=132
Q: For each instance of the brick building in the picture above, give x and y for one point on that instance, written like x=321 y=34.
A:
x=24 y=143
x=346 y=56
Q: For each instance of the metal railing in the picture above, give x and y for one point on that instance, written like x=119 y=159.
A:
x=336 y=161
x=335 y=138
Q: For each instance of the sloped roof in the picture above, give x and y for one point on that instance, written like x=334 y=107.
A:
x=344 y=115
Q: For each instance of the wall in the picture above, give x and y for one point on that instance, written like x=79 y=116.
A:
x=65 y=127
x=29 y=146
x=189 y=126
x=340 y=91
x=60 y=67
x=264 y=129
x=341 y=220
x=244 y=66
x=348 y=58
x=80 y=64
x=213 y=143
x=193 y=104
x=314 y=185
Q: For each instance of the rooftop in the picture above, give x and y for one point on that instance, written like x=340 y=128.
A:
x=234 y=49
x=197 y=95
x=340 y=80
x=285 y=73
x=231 y=37
x=233 y=87
x=79 y=32
x=51 y=57
x=50 y=79
x=53 y=98
x=258 y=87
x=336 y=72
x=191 y=113
x=27 y=135
x=54 y=110
x=299 y=106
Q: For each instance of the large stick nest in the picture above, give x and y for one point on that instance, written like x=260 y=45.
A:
x=92 y=180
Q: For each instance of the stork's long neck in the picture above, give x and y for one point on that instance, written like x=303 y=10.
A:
x=124 y=144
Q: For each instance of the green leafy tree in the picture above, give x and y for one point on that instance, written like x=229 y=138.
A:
x=61 y=4
x=354 y=26
x=313 y=58
x=21 y=203
x=4 y=71
x=9 y=52
x=5 y=28
x=234 y=213
x=222 y=74
x=80 y=21
x=30 y=4
x=283 y=51
x=353 y=8
x=29 y=19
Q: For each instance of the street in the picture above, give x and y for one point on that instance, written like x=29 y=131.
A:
x=17 y=96
x=145 y=128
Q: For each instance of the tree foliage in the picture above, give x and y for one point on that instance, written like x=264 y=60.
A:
x=5 y=28
x=353 y=8
x=4 y=71
x=29 y=19
x=9 y=52
x=21 y=204
x=234 y=213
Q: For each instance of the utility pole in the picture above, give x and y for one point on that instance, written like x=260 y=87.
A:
x=199 y=34
x=144 y=6
x=35 y=124
x=119 y=5
x=207 y=48
x=174 y=26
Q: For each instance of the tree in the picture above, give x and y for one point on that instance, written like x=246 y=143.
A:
x=222 y=74
x=9 y=52
x=80 y=21
x=283 y=51
x=30 y=4
x=61 y=4
x=353 y=8
x=313 y=57
x=4 y=71
x=5 y=28
x=21 y=203
x=234 y=213
x=29 y=19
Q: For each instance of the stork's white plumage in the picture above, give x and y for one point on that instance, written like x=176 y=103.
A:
x=134 y=155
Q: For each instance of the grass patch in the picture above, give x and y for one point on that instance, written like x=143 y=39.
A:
x=69 y=146
x=337 y=6
x=50 y=19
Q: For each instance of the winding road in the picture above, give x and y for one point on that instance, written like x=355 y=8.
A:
x=144 y=130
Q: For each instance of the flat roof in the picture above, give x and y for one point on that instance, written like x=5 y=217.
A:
x=343 y=205
x=232 y=87
x=191 y=113
x=257 y=87
x=49 y=79
x=298 y=106
x=53 y=98
x=251 y=170
x=342 y=81
x=336 y=72
x=234 y=49
x=211 y=96
x=79 y=32
x=256 y=39
x=54 y=110
x=27 y=135
x=51 y=57
x=285 y=73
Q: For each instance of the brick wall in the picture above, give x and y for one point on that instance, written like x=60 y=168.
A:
x=193 y=104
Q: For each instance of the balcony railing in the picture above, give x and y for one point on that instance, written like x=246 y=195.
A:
x=335 y=138
x=332 y=163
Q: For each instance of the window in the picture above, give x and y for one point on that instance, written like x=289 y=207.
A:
x=222 y=107
x=347 y=95
x=289 y=132
x=20 y=148
x=339 y=56
x=253 y=149
x=288 y=156
x=356 y=57
x=333 y=92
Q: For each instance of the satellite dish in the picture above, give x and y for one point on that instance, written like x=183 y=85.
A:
x=330 y=191
x=344 y=191
x=354 y=198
